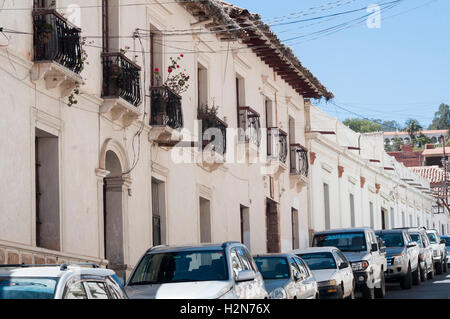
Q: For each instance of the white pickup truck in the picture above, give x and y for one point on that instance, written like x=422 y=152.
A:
x=360 y=247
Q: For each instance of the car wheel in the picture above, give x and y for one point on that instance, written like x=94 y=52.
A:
x=439 y=268
x=381 y=292
x=416 y=276
x=423 y=273
x=431 y=273
x=368 y=293
x=406 y=281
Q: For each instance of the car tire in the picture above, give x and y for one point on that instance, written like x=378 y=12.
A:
x=438 y=268
x=416 y=277
x=381 y=292
x=406 y=282
x=368 y=293
x=423 y=273
x=431 y=273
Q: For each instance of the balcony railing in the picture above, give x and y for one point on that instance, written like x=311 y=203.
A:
x=213 y=131
x=56 y=39
x=166 y=108
x=277 y=144
x=121 y=78
x=299 y=160
x=249 y=126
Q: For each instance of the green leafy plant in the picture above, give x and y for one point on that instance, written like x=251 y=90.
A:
x=75 y=91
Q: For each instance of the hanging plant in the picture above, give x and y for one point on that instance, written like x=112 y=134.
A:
x=176 y=81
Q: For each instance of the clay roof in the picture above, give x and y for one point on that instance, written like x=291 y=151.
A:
x=436 y=151
x=230 y=22
x=434 y=174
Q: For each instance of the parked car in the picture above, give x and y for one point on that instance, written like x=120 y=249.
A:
x=208 y=271
x=419 y=235
x=67 y=281
x=286 y=277
x=360 y=247
x=403 y=264
x=332 y=271
x=447 y=248
x=439 y=251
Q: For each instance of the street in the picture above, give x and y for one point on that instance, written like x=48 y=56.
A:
x=439 y=288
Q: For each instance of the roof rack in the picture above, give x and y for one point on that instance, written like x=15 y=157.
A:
x=61 y=266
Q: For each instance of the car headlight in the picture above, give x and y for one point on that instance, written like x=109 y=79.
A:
x=278 y=293
x=398 y=259
x=327 y=283
x=360 y=265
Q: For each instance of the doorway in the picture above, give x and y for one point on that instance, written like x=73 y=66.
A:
x=272 y=227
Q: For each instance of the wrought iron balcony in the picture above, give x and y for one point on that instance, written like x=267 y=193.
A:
x=166 y=108
x=56 y=40
x=299 y=160
x=249 y=126
x=121 y=78
x=277 y=144
x=214 y=132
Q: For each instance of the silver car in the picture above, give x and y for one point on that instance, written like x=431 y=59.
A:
x=209 y=271
x=286 y=276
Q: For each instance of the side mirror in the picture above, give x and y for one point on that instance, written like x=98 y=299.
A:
x=374 y=247
x=443 y=241
x=245 y=275
x=412 y=244
x=343 y=265
x=298 y=276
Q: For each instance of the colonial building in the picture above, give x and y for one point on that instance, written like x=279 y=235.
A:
x=353 y=182
x=101 y=161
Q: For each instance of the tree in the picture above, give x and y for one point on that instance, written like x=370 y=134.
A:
x=422 y=140
x=389 y=126
x=413 y=127
x=362 y=126
x=441 y=119
x=397 y=143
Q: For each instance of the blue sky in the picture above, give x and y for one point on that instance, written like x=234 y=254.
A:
x=397 y=72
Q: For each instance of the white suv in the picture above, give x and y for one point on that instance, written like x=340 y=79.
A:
x=209 y=271
x=67 y=281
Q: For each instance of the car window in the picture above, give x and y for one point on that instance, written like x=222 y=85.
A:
x=432 y=237
x=115 y=290
x=294 y=267
x=338 y=258
x=340 y=254
x=96 y=290
x=76 y=291
x=304 y=269
x=246 y=264
x=251 y=260
x=393 y=239
x=236 y=265
x=347 y=242
x=27 y=288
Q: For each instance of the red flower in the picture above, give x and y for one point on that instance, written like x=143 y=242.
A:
x=170 y=70
x=178 y=66
x=156 y=70
x=182 y=55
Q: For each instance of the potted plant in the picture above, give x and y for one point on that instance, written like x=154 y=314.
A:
x=176 y=83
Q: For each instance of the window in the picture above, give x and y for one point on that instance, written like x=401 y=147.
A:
x=158 y=212
x=240 y=90
x=392 y=218
x=326 y=194
x=318 y=261
x=75 y=291
x=111 y=24
x=352 y=210
x=346 y=242
x=295 y=270
x=245 y=225
x=236 y=265
x=96 y=290
x=295 y=229
x=184 y=266
x=245 y=262
x=27 y=288
x=273 y=267
x=205 y=220
x=156 y=53
x=403 y=219
x=272 y=227
x=47 y=190
x=202 y=85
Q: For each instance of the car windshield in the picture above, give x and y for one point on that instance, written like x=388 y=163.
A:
x=432 y=238
x=346 y=242
x=185 y=266
x=392 y=239
x=416 y=238
x=318 y=261
x=273 y=267
x=27 y=288
x=447 y=241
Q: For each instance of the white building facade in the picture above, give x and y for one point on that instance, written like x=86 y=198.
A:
x=354 y=183
x=92 y=166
